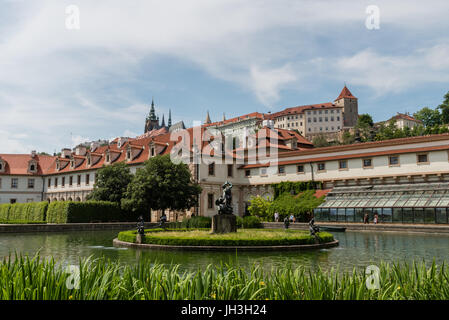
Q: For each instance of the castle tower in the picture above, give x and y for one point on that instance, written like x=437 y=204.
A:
x=163 y=121
x=169 y=118
x=350 y=107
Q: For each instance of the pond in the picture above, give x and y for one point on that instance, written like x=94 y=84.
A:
x=356 y=249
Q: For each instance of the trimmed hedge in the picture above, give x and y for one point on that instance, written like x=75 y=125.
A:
x=82 y=212
x=249 y=222
x=23 y=212
x=287 y=237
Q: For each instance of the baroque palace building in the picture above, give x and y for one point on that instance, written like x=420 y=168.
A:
x=398 y=170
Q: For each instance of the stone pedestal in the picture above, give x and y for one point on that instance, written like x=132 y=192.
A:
x=139 y=238
x=224 y=223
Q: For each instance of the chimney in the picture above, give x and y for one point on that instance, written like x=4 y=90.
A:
x=80 y=150
x=94 y=145
x=66 y=152
x=121 y=141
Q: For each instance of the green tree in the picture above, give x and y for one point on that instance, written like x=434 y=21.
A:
x=365 y=120
x=161 y=185
x=320 y=141
x=428 y=116
x=365 y=127
x=444 y=107
x=259 y=206
x=112 y=183
x=347 y=138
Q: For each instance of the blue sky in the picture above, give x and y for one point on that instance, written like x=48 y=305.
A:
x=59 y=87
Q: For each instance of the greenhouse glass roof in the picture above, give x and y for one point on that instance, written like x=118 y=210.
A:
x=393 y=196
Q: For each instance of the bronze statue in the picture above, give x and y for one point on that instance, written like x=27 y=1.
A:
x=313 y=228
x=224 y=203
x=141 y=226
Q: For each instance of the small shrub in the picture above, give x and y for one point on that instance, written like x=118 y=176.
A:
x=251 y=222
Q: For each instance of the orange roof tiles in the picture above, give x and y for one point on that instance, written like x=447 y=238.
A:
x=345 y=93
x=17 y=164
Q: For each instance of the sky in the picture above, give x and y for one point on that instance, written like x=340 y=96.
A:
x=75 y=71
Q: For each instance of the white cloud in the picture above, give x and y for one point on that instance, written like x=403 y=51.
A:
x=54 y=81
x=395 y=73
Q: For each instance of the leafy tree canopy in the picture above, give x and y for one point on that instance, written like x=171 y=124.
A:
x=112 y=182
x=428 y=116
x=161 y=185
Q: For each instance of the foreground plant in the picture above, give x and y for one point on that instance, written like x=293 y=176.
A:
x=36 y=279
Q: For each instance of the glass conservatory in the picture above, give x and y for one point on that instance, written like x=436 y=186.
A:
x=405 y=203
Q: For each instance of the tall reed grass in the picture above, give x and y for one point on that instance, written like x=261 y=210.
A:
x=34 y=278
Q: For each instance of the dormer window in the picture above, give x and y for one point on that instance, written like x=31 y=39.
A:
x=108 y=157
x=72 y=163
x=152 y=151
x=128 y=155
x=89 y=160
x=32 y=166
x=57 y=165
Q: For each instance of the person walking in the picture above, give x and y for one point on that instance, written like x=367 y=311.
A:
x=365 y=218
x=276 y=216
x=376 y=218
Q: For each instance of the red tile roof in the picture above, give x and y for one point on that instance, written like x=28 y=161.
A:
x=345 y=93
x=301 y=109
x=17 y=164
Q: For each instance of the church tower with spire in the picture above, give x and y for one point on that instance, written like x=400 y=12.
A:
x=152 y=122
x=207 y=118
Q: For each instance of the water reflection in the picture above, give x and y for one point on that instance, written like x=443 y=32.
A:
x=357 y=249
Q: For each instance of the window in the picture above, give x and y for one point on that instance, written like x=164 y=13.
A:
x=321 y=166
x=320 y=112
x=212 y=169
x=263 y=171
x=14 y=183
x=0 y=183
x=321 y=119
x=79 y=179
x=56 y=182
x=338 y=118
x=229 y=170
x=325 y=111
x=314 y=119
x=70 y=180
x=300 y=168
x=309 y=120
x=32 y=167
x=12 y=201
x=343 y=164
x=49 y=182
x=210 y=200
x=247 y=173
x=1 y=166
x=393 y=160
x=63 y=182
x=423 y=158
x=281 y=169
x=368 y=163
x=332 y=111
x=128 y=155
x=87 y=179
